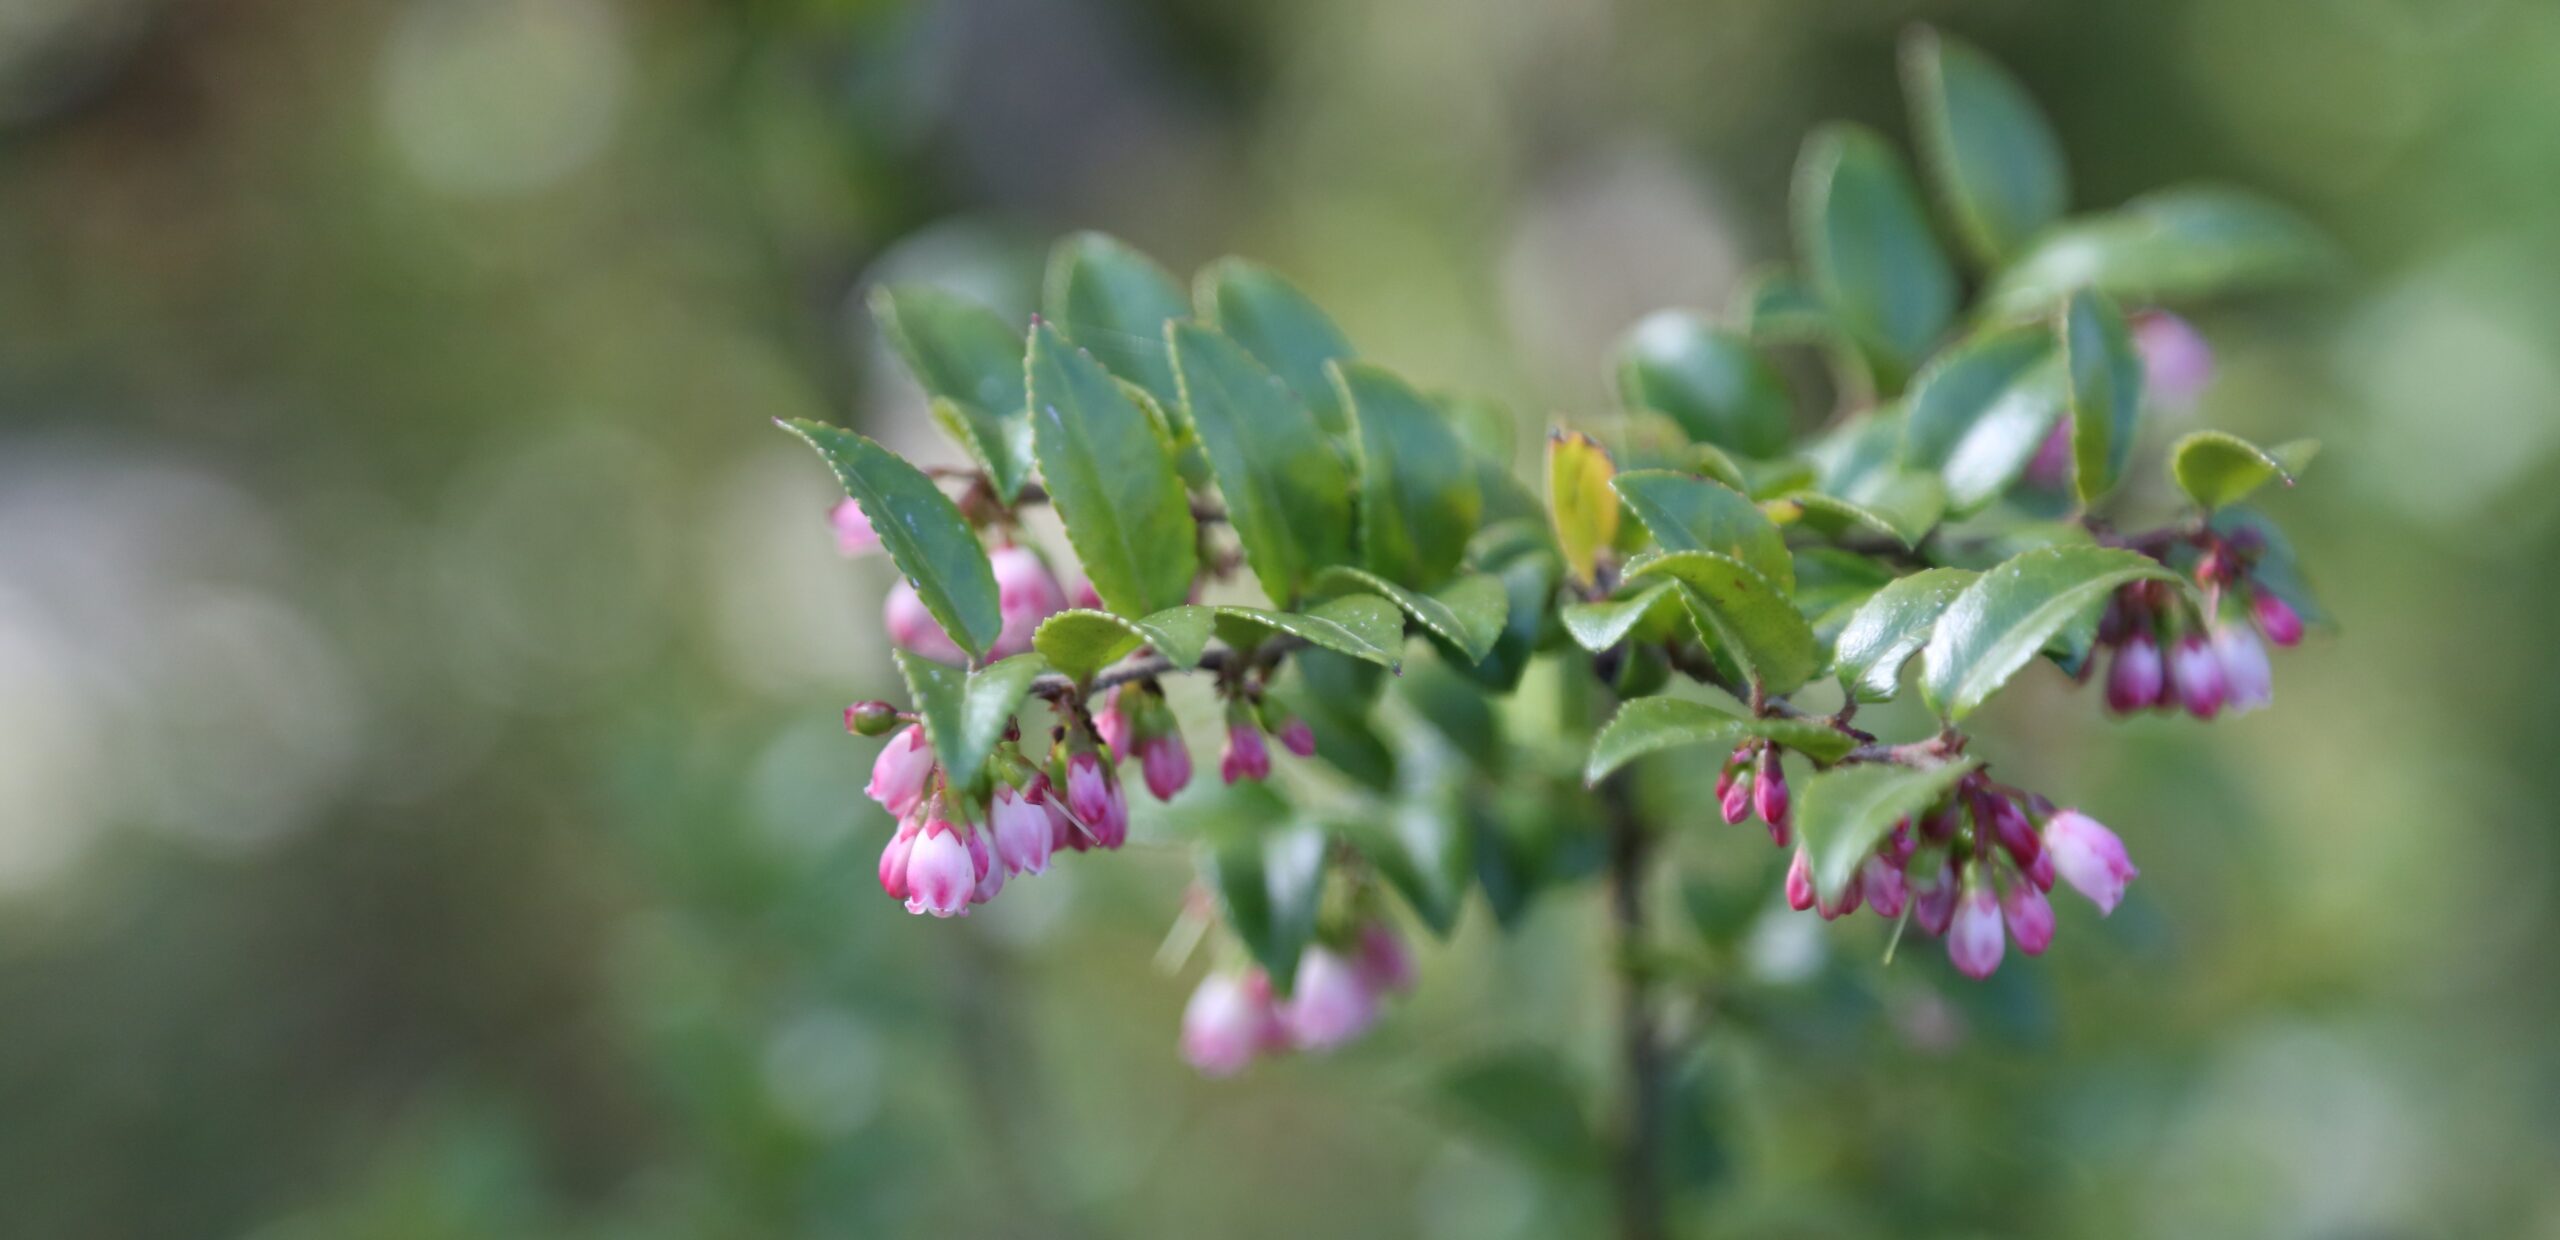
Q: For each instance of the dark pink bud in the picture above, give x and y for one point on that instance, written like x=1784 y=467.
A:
x=1800 y=883
x=2134 y=680
x=2015 y=834
x=1974 y=939
x=2029 y=916
x=1736 y=803
x=1246 y=756
x=1934 y=906
x=1296 y=737
x=1383 y=959
x=1899 y=846
x=2276 y=619
x=1769 y=791
x=1887 y=890
x=1846 y=902
x=2196 y=673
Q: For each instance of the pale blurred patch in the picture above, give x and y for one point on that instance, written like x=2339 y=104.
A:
x=822 y=1069
x=494 y=98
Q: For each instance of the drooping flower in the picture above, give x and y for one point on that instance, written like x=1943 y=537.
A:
x=1974 y=938
x=1800 y=882
x=2277 y=619
x=1228 y=1021
x=1024 y=838
x=894 y=857
x=1026 y=594
x=2196 y=675
x=854 y=535
x=1112 y=726
x=2089 y=857
x=941 y=872
x=2134 y=680
x=899 y=774
x=1384 y=960
x=2177 y=363
x=1769 y=791
x=1887 y=889
x=1331 y=1003
x=1851 y=894
x=1296 y=737
x=1246 y=756
x=1735 y=804
x=1166 y=762
x=2249 y=681
x=1064 y=831
x=1933 y=907
x=913 y=629
x=2029 y=917
x=1096 y=800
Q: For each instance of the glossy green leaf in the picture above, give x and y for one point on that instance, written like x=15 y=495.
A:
x=1828 y=578
x=1079 y=642
x=1690 y=513
x=969 y=362
x=1866 y=245
x=1113 y=302
x=2003 y=618
x=1738 y=611
x=1468 y=613
x=922 y=529
x=1891 y=627
x=1292 y=338
x=1288 y=493
x=1651 y=725
x=1596 y=626
x=1457 y=709
x=1899 y=504
x=2216 y=469
x=1112 y=481
x=1363 y=626
x=1419 y=497
x=1579 y=502
x=1844 y=814
x=1529 y=572
x=1978 y=414
x=2174 y=245
x=2104 y=380
x=1422 y=846
x=1989 y=151
x=1270 y=885
x=1776 y=306
x=966 y=713
x=1712 y=381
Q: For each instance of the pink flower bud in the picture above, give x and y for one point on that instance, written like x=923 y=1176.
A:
x=2177 y=364
x=1063 y=831
x=1384 y=960
x=1088 y=789
x=2089 y=857
x=2011 y=829
x=1800 y=882
x=913 y=629
x=1023 y=835
x=2276 y=619
x=941 y=875
x=1166 y=761
x=2051 y=466
x=1246 y=756
x=899 y=774
x=1886 y=888
x=1229 y=1020
x=1111 y=726
x=1330 y=1004
x=1843 y=904
x=1026 y=594
x=2134 y=680
x=854 y=535
x=2197 y=676
x=1298 y=738
x=2249 y=680
x=1086 y=598
x=1974 y=940
x=1933 y=907
x=893 y=858
x=1769 y=792
x=2040 y=871
x=2029 y=916
x=1735 y=805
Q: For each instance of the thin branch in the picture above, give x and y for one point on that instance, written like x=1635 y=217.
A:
x=1221 y=661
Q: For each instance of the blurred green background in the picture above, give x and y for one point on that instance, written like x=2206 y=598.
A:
x=423 y=809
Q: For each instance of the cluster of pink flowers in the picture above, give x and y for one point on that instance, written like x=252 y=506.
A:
x=1753 y=782
x=1338 y=992
x=1974 y=866
x=949 y=854
x=1026 y=594
x=2223 y=668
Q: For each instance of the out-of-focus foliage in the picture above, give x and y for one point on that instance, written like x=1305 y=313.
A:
x=422 y=807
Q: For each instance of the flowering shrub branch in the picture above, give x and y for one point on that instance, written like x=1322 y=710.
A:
x=1698 y=576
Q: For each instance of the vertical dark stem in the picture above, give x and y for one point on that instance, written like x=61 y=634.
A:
x=1641 y=1214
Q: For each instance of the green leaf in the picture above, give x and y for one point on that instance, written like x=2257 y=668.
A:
x=2217 y=469
x=1775 y=306
x=921 y=528
x=1710 y=380
x=1899 y=504
x=2174 y=245
x=1113 y=302
x=1597 y=626
x=1979 y=413
x=2105 y=385
x=2276 y=568
x=1890 y=628
x=1690 y=513
x=1527 y=1102
x=1363 y=626
x=1419 y=498
x=1528 y=568
x=1579 y=501
x=1867 y=248
x=1651 y=725
x=1739 y=612
x=1292 y=338
x=1829 y=578
x=1424 y=849
x=1994 y=159
x=965 y=713
x=969 y=362
x=1288 y=494
x=1845 y=813
x=2006 y=615
x=1468 y=613
x=1079 y=642
x=1269 y=884
x=1111 y=478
